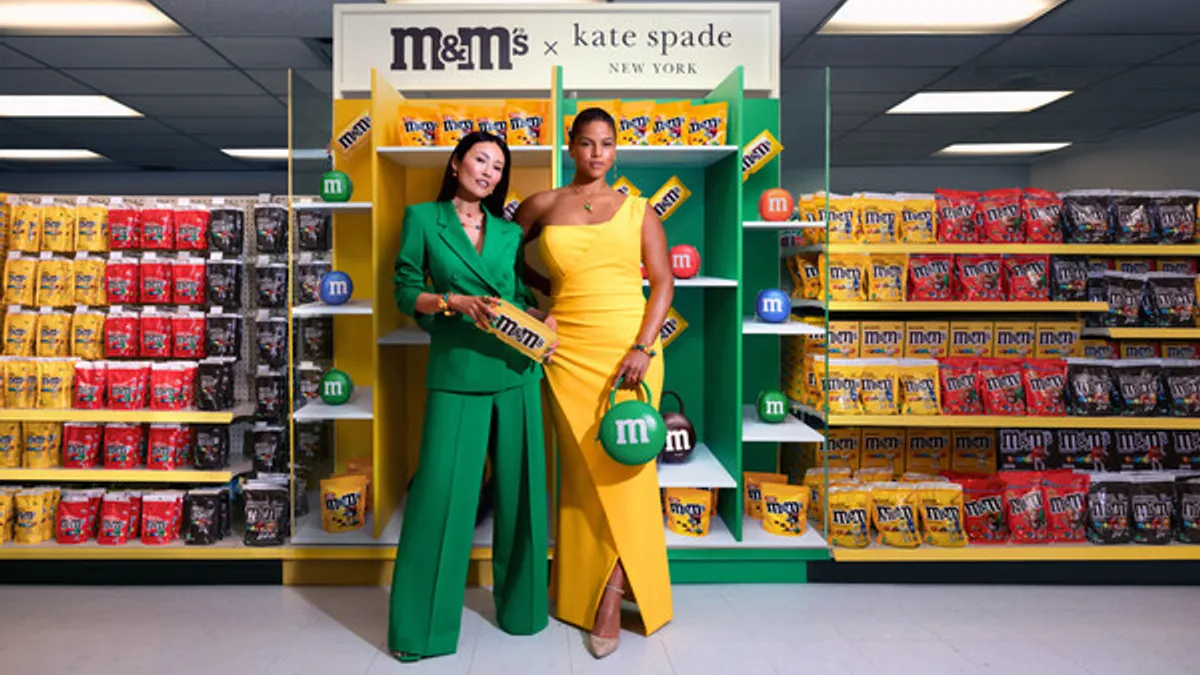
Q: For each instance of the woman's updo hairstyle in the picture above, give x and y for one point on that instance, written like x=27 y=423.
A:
x=589 y=115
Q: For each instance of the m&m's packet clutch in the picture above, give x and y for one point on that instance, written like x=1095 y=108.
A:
x=519 y=330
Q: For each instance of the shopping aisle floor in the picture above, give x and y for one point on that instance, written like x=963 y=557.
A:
x=738 y=630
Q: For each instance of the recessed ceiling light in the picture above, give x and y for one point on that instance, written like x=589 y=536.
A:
x=84 y=17
x=256 y=153
x=874 y=17
x=950 y=102
x=1001 y=148
x=64 y=106
x=46 y=154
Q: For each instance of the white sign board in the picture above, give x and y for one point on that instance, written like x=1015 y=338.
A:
x=607 y=47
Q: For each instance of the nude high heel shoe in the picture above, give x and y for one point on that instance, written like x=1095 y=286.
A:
x=600 y=647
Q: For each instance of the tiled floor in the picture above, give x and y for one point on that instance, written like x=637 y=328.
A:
x=743 y=630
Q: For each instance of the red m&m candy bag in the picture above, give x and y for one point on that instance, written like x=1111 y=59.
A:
x=156 y=336
x=960 y=387
x=1000 y=216
x=156 y=281
x=979 y=277
x=983 y=507
x=122 y=281
x=1045 y=387
x=1001 y=387
x=125 y=228
x=1025 y=505
x=191 y=228
x=122 y=336
x=1041 y=212
x=188 y=277
x=956 y=216
x=158 y=229
x=929 y=277
x=1028 y=277
x=1066 y=505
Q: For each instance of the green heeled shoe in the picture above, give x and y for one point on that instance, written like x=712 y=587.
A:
x=406 y=657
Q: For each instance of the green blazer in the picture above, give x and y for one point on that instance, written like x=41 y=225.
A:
x=437 y=257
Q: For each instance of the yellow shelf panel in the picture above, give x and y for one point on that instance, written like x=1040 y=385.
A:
x=955 y=306
x=230 y=549
x=1014 y=422
x=1026 y=249
x=189 y=416
x=1019 y=553
x=183 y=475
x=1146 y=333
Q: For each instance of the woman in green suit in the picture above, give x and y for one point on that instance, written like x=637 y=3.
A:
x=457 y=255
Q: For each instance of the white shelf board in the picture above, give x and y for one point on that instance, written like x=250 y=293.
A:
x=408 y=335
x=752 y=326
x=332 y=206
x=438 y=156
x=790 y=430
x=360 y=407
x=678 y=156
x=807 y=304
x=359 y=307
x=754 y=536
x=702 y=469
x=718 y=536
x=782 y=225
x=309 y=532
x=701 y=281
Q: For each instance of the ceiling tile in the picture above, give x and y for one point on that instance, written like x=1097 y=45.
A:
x=224 y=125
x=10 y=58
x=1187 y=55
x=841 y=102
x=1119 y=17
x=919 y=123
x=85 y=128
x=1095 y=119
x=174 y=142
x=269 y=52
x=277 y=18
x=321 y=79
x=883 y=79
x=263 y=139
x=1106 y=98
x=274 y=79
x=119 y=52
x=1077 y=50
x=839 y=122
x=1178 y=78
x=233 y=106
x=1043 y=135
x=891 y=50
x=168 y=82
x=971 y=78
x=40 y=81
x=846 y=153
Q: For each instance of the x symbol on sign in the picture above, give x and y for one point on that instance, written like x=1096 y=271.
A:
x=551 y=48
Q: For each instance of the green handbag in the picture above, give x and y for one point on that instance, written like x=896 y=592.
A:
x=632 y=432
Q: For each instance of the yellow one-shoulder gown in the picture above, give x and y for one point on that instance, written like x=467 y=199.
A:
x=607 y=511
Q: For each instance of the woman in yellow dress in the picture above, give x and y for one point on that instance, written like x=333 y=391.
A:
x=592 y=240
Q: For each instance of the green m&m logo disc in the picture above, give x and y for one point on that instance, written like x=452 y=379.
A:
x=336 y=186
x=336 y=387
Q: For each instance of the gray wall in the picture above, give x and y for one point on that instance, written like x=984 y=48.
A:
x=1159 y=158
x=912 y=178
x=150 y=183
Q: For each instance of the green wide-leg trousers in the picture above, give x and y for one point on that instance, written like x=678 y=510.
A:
x=429 y=582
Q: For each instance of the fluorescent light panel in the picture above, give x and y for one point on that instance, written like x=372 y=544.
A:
x=951 y=102
x=256 y=153
x=63 y=106
x=899 y=17
x=84 y=17
x=1001 y=148
x=46 y=154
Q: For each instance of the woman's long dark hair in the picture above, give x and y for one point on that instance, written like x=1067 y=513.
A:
x=494 y=203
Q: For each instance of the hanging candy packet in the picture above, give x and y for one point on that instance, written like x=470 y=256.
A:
x=26 y=232
x=314 y=230
x=1066 y=495
x=224 y=281
x=81 y=445
x=53 y=334
x=1137 y=386
x=880 y=217
x=960 y=388
x=272 y=285
x=888 y=277
x=156 y=280
x=1085 y=217
x=920 y=387
x=226 y=230
x=223 y=335
x=895 y=514
x=191 y=228
x=122 y=281
x=20 y=333
x=188 y=282
x=1041 y=212
x=122 y=335
x=1131 y=218
x=43 y=444
x=917 y=218
x=55 y=381
x=128 y=382
x=1174 y=217
x=20 y=281
x=308 y=280
x=91 y=228
x=270 y=228
x=1045 y=382
x=1170 y=300
x=125 y=227
x=272 y=340
x=187 y=329
x=87 y=335
x=89 y=281
x=999 y=215
x=879 y=387
x=1001 y=387
x=1027 y=277
x=168 y=387
x=1090 y=389
x=56 y=282
x=10 y=455
x=91 y=383
x=929 y=277
x=1069 y=275
x=979 y=278
x=956 y=216
x=847 y=274
x=158 y=228
x=58 y=228
x=21 y=380
x=156 y=337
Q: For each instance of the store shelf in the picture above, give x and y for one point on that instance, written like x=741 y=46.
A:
x=360 y=407
x=802 y=408
x=344 y=207
x=702 y=469
x=753 y=537
x=231 y=548
x=958 y=306
x=438 y=156
x=182 y=475
x=700 y=281
x=409 y=335
x=187 y=416
x=789 y=251
x=362 y=307
x=308 y=530
x=782 y=225
x=791 y=430
x=753 y=326
x=1013 y=422
x=681 y=156
x=1018 y=553
x=1143 y=333
x=1026 y=249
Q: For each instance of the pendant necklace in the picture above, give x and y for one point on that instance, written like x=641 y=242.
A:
x=468 y=220
x=587 y=200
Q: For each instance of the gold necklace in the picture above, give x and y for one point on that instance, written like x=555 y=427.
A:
x=467 y=220
x=587 y=200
